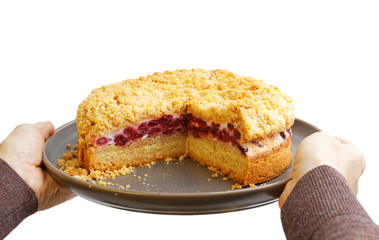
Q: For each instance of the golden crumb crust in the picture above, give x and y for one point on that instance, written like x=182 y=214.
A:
x=255 y=108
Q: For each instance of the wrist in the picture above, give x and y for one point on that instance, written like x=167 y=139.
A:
x=286 y=192
x=21 y=170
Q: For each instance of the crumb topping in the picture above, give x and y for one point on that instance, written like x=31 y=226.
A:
x=254 y=107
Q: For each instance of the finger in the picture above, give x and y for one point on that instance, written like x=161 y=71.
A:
x=355 y=189
x=344 y=141
x=364 y=163
x=45 y=128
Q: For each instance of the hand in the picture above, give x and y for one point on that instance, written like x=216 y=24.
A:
x=22 y=150
x=322 y=149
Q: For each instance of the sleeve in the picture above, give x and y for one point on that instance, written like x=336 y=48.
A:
x=17 y=199
x=322 y=206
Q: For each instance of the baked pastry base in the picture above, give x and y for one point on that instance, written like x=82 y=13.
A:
x=136 y=153
x=246 y=169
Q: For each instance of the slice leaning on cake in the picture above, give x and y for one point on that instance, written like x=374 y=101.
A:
x=238 y=125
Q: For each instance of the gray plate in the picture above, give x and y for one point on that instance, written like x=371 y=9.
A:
x=174 y=188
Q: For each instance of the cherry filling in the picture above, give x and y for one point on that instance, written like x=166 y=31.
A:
x=166 y=125
x=169 y=124
x=283 y=135
x=258 y=144
x=102 y=141
x=120 y=140
x=198 y=127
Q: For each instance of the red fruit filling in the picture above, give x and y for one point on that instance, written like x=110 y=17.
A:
x=289 y=132
x=120 y=140
x=237 y=134
x=166 y=120
x=258 y=144
x=143 y=127
x=131 y=133
x=168 y=124
x=153 y=131
x=198 y=127
x=102 y=141
x=153 y=123
x=283 y=135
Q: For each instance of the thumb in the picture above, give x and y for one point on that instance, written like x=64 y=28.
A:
x=46 y=129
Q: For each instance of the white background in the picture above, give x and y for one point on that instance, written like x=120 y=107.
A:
x=325 y=54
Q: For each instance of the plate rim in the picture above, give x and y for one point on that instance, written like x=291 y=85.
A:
x=74 y=183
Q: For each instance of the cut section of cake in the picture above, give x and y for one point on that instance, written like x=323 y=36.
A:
x=237 y=125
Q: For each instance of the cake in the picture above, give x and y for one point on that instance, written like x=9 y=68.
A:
x=238 y=125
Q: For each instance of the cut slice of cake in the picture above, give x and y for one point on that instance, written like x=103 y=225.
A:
x=238 y=125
